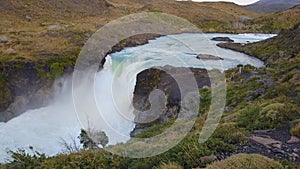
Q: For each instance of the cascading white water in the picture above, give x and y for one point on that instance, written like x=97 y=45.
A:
x=43 y=128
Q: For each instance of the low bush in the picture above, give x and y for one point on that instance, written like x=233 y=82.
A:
x=229 y=133
x=267 y=116
x=248 y=118
x=277 y=114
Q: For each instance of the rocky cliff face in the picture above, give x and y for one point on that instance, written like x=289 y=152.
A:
x=155 y=78
x=29 y=84
x=23 y=87
x=18 y=81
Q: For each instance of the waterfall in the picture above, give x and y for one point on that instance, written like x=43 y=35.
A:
x=113 y=87
x=45 y=127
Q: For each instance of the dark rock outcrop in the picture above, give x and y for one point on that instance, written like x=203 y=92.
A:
x=224 y=39
x=233 y=46
x=208 y=57
x=23 y=87
x=155 y=78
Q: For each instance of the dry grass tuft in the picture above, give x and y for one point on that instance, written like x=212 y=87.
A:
x=245 y=161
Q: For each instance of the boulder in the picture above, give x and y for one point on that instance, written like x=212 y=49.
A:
x=87 y=35
x=11 y=51
x=56 y=28
x=223 y=39
x=208 y=57
x=207 y=159
x=277 y=146
x=293 y=140
x=294 y=156
x=3 y=39
x=28 y=18
x=264 y=141
x=261 y=131
x=278 y=151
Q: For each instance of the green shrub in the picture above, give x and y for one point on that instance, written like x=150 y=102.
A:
x=205 y=101
x=248 y=118
x=267 y=116
x=280 y=90
x=22 y=159
x=278 y=114
x=56 y=69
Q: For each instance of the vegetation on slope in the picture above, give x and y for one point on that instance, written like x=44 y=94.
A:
x=245 y=161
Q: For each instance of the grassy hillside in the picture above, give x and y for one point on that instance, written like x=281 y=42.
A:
x=42 y=29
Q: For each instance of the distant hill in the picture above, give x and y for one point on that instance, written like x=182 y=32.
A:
x=266 y=6
x=274 y=22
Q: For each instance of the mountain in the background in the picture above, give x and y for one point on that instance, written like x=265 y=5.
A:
x=265 y=6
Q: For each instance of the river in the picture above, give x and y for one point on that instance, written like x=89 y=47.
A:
x=45 y=127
